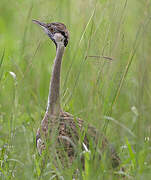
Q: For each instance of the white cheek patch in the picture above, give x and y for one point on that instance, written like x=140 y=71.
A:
x=58 y=38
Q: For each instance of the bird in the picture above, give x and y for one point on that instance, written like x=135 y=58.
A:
x=70 y=130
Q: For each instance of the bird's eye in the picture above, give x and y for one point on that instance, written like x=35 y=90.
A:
x=51 y=29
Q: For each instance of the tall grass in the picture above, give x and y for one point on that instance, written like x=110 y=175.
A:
x=112 y=94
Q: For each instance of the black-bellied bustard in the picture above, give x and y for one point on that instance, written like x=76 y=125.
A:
x=68 y=127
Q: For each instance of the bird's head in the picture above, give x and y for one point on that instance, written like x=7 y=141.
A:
x=56 y=31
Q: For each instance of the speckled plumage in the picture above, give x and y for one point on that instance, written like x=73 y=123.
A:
x=69 y=131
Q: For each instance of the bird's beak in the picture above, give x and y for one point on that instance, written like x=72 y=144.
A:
x=45 y=28
x=40 y=23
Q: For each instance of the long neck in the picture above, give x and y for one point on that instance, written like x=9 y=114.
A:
x=53 y=106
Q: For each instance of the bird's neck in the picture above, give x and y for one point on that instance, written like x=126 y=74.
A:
x=53 y=106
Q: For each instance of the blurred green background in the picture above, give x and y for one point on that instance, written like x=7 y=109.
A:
x=113 y=95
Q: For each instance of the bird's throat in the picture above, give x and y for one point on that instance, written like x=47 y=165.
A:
x=53 y=106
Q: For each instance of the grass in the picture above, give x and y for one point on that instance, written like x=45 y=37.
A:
x=113 y=95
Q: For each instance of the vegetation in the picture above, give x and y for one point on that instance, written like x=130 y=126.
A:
x=113 y=93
